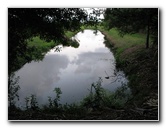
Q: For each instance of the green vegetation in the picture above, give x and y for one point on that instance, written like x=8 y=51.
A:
x=101 y=98
x=128 y=30
x=133 y=20
x=139 y=64
x=69 y=34
x=37 y=42
x=35 y=50
x=98 y=100
x=127 y=41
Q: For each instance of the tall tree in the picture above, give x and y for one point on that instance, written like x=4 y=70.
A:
x=131 y=20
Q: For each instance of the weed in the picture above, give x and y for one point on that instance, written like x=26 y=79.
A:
x=31 y=102
x=102 y=98
x=13 y=88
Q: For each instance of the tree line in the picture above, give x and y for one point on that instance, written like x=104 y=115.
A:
x=132 y=20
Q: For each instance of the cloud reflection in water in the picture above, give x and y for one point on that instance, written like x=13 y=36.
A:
x=72 y=69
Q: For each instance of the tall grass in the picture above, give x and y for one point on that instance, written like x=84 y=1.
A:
x=121 y=43
x=37 y=42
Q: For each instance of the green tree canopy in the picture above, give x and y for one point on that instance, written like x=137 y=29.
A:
x=47 y=23
x=131 y=20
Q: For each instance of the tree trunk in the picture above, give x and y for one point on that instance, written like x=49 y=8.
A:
x=147 y=37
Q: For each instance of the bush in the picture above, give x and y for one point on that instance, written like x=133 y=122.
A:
x=101 y=98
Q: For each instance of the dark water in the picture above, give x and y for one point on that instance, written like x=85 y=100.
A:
x=72 y=69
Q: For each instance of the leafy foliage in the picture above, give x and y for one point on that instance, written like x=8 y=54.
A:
x=131 y=20
x=94 y=100
x=31 y=102
x=54 y=103
x=102 y=98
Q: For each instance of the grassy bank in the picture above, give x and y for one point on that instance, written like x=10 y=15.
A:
x=139 y=64
x=36 y=49
x=37 y=42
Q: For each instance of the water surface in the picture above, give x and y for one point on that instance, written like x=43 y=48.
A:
x=71 y=69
